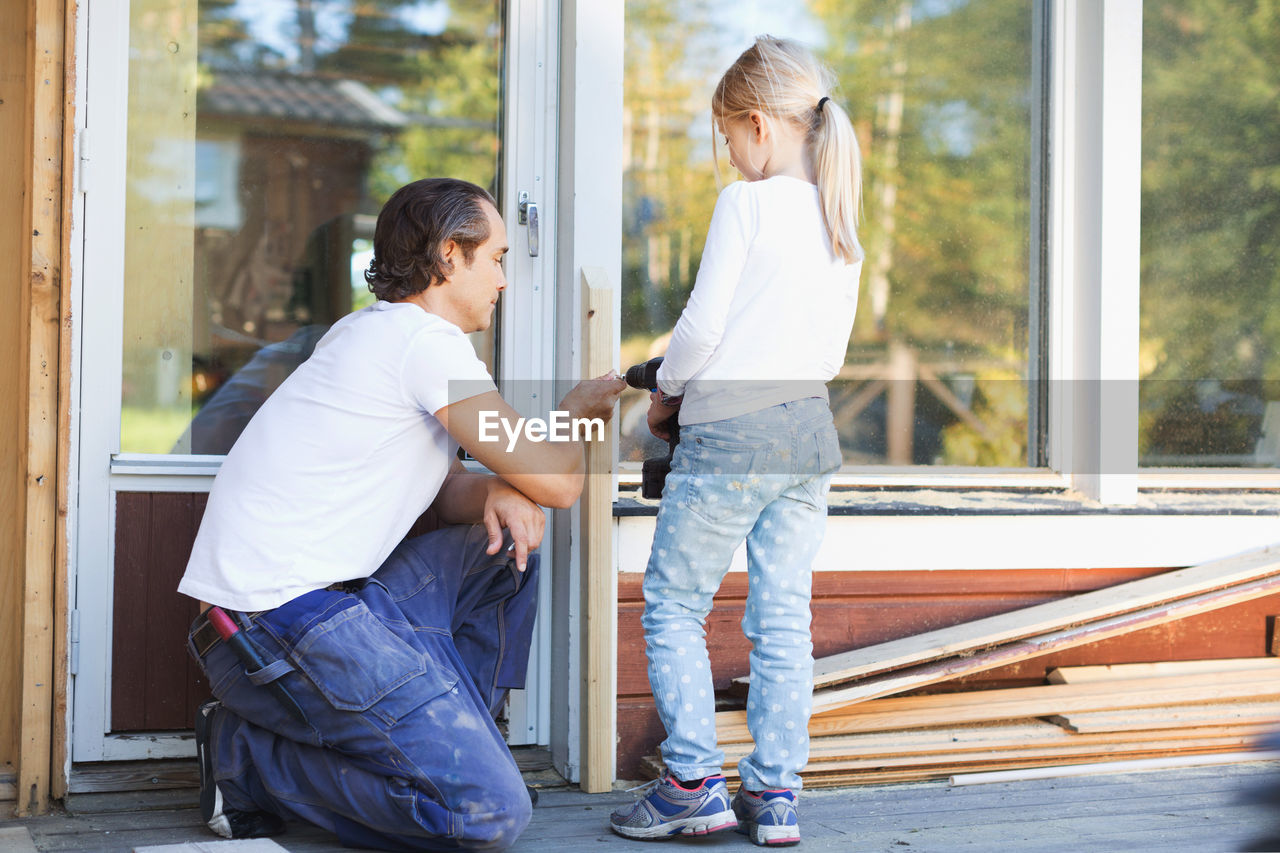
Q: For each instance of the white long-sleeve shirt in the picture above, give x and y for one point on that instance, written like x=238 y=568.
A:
x=772 y=308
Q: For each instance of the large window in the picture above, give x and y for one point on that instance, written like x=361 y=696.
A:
x=1210 y=346
x=942 y=361
x=263 y=137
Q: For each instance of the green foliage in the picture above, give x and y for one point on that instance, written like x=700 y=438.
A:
x=946 y=196
x=1210 y=309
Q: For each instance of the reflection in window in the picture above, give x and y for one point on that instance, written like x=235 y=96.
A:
x=940 y=92
x=264 y=135
x=1210 y=295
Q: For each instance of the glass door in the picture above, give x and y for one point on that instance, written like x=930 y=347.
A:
x=229 y=213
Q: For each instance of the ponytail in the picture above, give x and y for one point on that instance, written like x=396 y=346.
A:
x=783 y=79
x=837 y=164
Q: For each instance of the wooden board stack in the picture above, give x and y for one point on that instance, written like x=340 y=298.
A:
x=863 y=734
x=1087 y=715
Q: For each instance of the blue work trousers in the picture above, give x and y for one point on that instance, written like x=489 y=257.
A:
x=399 y=680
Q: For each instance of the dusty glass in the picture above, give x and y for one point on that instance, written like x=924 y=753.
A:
x=942 y=363
x=1210 y=291
x=264 y=136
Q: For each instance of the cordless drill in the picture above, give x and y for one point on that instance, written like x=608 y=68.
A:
x=653 y=474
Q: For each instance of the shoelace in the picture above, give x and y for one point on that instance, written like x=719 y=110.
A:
x=646 y=787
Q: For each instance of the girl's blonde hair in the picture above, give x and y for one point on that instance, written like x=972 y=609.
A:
x=782 y=79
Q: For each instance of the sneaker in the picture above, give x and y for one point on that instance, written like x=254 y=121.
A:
x=229 y=823
x=768 y=818
x=671 y=810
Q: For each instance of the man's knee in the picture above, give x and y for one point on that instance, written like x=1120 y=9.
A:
x=497 y=821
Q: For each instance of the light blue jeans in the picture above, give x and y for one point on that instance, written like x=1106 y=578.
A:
x=762 y=477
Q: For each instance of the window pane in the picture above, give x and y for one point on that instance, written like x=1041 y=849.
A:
x=1210 y=394
x=941 y=95
x=264 y=136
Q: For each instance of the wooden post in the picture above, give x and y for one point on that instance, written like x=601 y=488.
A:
x=599 y=579
x=900 y=418
x=42 y=306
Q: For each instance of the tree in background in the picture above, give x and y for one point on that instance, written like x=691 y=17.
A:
x=1210 y=309
x=940 y=94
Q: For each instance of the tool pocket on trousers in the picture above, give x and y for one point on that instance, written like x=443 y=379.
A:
x=356 y=661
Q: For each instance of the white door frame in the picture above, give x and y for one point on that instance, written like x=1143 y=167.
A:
x=526 y=349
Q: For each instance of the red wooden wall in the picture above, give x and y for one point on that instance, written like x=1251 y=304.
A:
x=155 y=684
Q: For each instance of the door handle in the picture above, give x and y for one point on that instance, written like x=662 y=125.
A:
x=529 y=216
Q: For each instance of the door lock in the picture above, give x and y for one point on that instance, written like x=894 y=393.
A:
x=528 y=215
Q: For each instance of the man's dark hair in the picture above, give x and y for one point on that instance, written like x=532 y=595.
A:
x=414 y=225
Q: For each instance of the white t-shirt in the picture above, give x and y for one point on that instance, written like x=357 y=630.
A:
x=338 y=463
x=772 y=308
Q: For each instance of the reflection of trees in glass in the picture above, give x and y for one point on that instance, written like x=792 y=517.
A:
x=439 y=63
x=311 y=113
x=940 y=93
x=942 y=89
x=1210 y=227
x=670 y=186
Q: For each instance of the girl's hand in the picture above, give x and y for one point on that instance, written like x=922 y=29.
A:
x=659 y=414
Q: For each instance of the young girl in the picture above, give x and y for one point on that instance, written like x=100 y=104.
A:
x=765 y=328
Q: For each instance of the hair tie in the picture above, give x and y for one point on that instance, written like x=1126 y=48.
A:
x=822 y=101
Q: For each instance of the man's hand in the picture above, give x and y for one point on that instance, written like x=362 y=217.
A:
x=505 y=507
x=594 y=398
x=548 y=472
x=659 y=414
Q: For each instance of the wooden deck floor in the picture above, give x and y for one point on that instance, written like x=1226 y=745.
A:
x=1202 y=809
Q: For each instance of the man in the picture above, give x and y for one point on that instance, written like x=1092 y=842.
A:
x=382 y=663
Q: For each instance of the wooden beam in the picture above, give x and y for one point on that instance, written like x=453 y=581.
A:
x=14 y=243
x=1031 y=621
x=42 y=308
x=599 y=579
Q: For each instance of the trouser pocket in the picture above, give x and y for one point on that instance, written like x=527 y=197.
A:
x=358 y=663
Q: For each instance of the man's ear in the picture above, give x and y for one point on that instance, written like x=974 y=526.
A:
x=450 y=251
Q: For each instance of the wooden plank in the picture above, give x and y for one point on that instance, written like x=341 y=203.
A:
x=1023 y=737
x=1042 y=618
x=1173 y=716
x=599 y=580
x=16 y=839
x=832 y=777
x=60 y=758
x=1092 y=632
x=1081 y=674
x=117 y=776
x=900 y=712
x=1114 y=767
x=246 y=845
x=1066 y=749
x=42 y=303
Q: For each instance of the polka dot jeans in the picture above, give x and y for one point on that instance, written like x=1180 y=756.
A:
x=762 y=477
